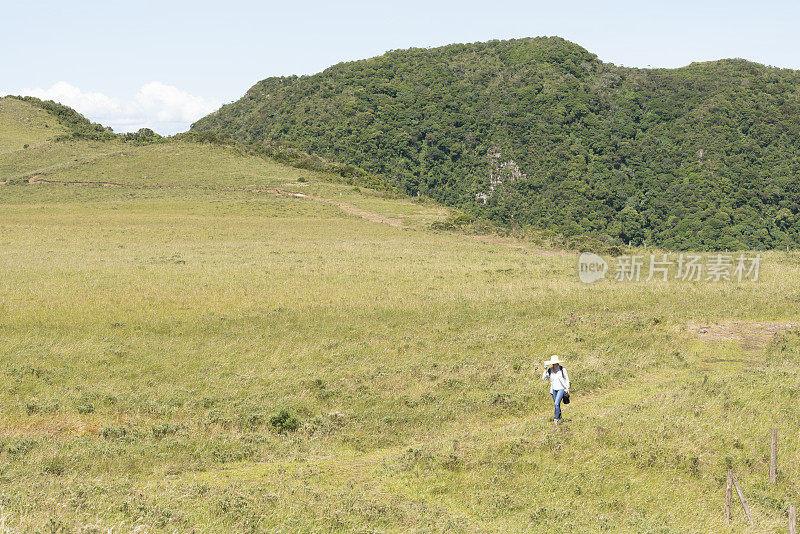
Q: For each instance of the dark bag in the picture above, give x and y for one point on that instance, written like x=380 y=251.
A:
x=565 y=400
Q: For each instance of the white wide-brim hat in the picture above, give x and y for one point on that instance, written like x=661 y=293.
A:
x=553 y=359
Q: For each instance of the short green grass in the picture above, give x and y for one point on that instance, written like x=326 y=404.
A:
x=24 y=126
x=149 y=336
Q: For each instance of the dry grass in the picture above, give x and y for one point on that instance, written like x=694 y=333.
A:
x=148 y=334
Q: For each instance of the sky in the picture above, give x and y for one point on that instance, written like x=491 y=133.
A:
x=165 y=64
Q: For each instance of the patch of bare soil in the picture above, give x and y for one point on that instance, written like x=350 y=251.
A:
x=500 y=241
x=351 y=209
x=750 y=336
x=364 y=214
x=57 y=427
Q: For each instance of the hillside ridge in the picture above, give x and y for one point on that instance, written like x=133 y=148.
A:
x=540 y=132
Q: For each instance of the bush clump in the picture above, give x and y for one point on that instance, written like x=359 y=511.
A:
x=284 y=421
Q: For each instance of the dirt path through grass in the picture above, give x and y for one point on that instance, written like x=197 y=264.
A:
x=344 y=206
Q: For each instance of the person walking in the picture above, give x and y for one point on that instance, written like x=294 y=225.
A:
x=559 y=383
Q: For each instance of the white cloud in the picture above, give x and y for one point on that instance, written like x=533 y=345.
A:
x=161 y=107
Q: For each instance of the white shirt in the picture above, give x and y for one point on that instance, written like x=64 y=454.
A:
x=558 y=380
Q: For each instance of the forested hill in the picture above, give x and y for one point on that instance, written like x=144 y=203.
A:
x=541 y=132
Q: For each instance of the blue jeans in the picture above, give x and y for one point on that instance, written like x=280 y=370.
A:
x=557 y=396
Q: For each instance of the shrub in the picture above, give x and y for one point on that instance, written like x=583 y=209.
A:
x=113 y=432
x=35 y=406
x=21 y=446
x=143 y=136
x=56 y=465
x=126 y=434
x=85 y=408
x=164 y=429
x=284 y=421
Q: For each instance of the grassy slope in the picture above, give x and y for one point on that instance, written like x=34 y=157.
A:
x=23 y=124
x=149 y=332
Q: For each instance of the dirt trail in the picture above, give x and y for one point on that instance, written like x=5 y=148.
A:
x=346 y=207
x=37 y=179
x=750 y=336
x=359 y=212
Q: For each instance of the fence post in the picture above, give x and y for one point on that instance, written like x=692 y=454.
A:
x=728 y=495
x=744 y=502
x=773 y=455
x=792 y=520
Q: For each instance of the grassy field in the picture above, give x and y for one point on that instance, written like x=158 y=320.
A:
x=221 y=343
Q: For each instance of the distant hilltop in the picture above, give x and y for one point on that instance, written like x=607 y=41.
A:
x=540 y=132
